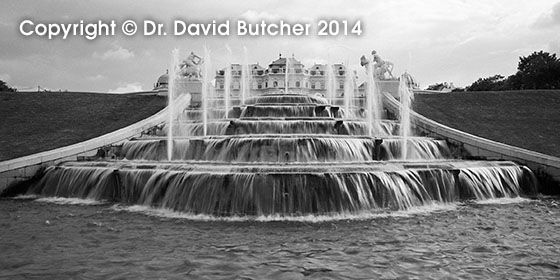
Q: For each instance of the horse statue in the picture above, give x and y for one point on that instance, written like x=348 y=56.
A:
x=190 y=67
x=382 y=69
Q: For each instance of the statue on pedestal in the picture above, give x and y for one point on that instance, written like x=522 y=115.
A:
x=190 y=67
x=409 y=80
x=382 y=69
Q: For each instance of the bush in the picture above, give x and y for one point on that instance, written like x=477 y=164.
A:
x=495 y=82
x=4 y=87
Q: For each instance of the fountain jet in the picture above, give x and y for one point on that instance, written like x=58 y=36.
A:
x=373 y=101
x=227 y=82
x=170 y=96
x=205 y=94
x=406 y=96
x=245 y=77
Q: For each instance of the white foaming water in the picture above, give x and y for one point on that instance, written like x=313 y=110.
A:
x=70 y=201
x=417 y=210
x=504 y=200
x=171 y=214
x=26 y=196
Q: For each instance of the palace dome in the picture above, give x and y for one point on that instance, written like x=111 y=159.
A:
x=162 y=81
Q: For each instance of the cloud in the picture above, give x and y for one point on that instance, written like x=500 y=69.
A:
x=549 y=18
x=435 y=40
x=116 y=53
x=5 y=77
x=97 y=77
x=252 y=16
x=126 y=88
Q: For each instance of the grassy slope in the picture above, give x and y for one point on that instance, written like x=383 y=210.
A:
x=36 y=122
x=527 y=119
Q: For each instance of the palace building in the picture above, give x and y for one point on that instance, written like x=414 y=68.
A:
x=299 y=79
x=274 y=79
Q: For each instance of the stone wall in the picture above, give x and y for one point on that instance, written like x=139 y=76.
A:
x=541 y=164
x=23 y=168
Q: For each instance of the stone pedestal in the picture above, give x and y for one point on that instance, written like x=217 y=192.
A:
x=390 y=86
x=192 y=86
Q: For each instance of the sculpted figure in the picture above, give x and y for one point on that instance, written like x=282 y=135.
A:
x=410 y=82
x=382 y=67
x=189 y=67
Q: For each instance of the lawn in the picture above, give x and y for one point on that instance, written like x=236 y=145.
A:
x=528 y=119
x=34 y=122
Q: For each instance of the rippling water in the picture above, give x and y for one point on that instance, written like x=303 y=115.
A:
x=77 y=239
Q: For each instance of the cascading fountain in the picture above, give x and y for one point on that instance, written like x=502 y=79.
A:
x=284 y=155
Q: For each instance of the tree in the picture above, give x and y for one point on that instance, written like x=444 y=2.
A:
x=513 y=82
x=437 y=86
x=5 y=87
x=442 y=86
x=540 y=70
x=495 y=82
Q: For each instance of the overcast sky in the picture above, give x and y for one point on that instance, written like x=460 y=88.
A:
x=435 y=40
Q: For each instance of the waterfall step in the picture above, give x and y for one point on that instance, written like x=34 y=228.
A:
x=292 y=167
x=285 y=148
x=227 y=189
x=280 y=120
x=281 y=136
